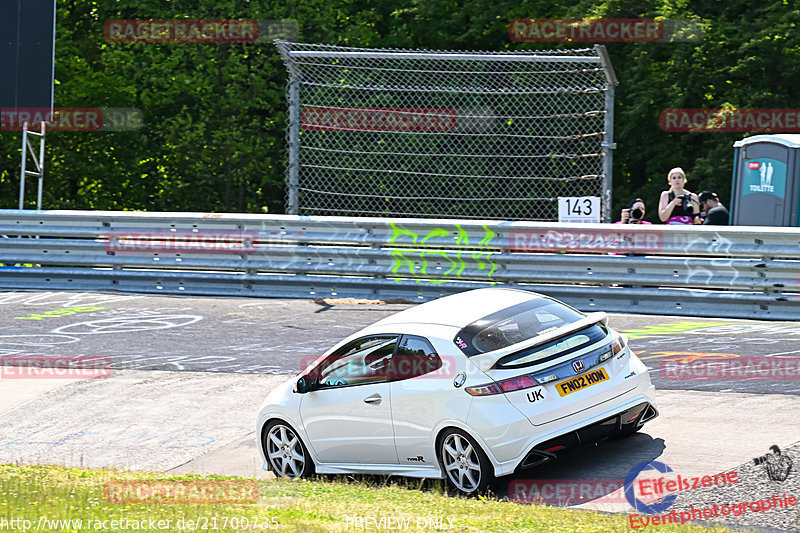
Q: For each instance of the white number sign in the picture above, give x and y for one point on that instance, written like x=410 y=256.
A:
x=584 y=209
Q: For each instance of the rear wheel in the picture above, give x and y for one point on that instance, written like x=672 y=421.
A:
x=466 y=467
x=286 y=453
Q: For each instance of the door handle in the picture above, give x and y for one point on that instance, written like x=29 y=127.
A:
x=375 y=398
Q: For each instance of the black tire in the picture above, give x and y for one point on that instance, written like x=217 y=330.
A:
x=466 y=468
x=287 y=455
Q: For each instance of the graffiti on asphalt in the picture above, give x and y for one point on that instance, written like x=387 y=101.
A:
x=685 y=357
x=670 y=328
x=64 y=311
x=126 y=324
x=60 y=299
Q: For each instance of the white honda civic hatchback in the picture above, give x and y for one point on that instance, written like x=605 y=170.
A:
x=468 y=388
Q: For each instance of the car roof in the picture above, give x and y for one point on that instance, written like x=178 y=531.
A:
x=462 y=309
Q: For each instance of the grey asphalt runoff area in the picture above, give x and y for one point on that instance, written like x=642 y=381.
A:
x=188 y=375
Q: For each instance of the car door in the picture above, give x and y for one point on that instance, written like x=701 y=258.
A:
x=422 y=394
x=347 y=416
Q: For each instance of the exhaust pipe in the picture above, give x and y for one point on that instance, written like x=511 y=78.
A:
x=538 y=457
x=649 y=413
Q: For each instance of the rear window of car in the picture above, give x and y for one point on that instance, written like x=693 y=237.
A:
x=514 y=324
x=553 y=349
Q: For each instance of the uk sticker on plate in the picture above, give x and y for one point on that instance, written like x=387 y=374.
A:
x=581 y=382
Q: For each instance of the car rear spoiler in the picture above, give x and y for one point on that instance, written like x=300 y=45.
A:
x=487 y=360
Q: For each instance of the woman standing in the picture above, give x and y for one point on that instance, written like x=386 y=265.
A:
x=677 y=205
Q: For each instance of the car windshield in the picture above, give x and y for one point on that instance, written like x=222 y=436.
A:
x=514 y=324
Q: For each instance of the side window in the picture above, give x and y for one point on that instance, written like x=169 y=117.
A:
x=415 y=357
x=362 y=361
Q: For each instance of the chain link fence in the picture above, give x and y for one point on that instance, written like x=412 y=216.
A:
x=487 y=135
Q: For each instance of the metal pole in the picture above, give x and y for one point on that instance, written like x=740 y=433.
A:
x=293 y=168
x=440 y=56
x=24 y=157
x=41 y=169
x=608 y=145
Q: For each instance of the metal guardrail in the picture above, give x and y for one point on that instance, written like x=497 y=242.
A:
x=746 y=272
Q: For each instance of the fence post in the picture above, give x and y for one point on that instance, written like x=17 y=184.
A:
x=293 y=140
x=608 y=144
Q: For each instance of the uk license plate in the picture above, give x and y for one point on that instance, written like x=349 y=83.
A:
x=581 y=382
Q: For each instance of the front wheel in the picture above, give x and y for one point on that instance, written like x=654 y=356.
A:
x=286 y=453
x=467 y=468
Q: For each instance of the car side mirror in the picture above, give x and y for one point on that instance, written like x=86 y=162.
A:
x=304 y=385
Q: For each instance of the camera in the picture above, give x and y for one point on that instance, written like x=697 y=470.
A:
x=760 y=460
x=687 y=203
x=637 y=214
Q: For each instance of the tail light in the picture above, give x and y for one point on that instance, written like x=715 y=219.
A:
x=484 y=390
x=607 y=354
x=616 y=346
x=506 y=385
x=619 y=343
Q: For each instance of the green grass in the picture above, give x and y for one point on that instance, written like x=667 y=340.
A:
x=59 y=493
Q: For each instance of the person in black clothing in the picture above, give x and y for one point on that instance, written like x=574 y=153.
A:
x=634 y=214
x=716 y=214
x=777 y=465
x=677 y=205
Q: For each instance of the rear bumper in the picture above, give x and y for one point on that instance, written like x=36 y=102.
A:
x=628 y=420
x=627 y=411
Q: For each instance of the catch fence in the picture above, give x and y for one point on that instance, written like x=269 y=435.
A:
x=468 y=135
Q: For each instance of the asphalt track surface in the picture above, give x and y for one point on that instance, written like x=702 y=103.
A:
x=188 y=375
x=259 y=336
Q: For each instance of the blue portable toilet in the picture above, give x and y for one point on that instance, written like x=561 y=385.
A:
x=766 y=187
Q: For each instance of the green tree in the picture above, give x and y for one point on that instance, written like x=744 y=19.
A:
x=214 y=114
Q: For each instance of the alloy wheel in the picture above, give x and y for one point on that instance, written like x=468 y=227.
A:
x=285 y=452
x=461 y=462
